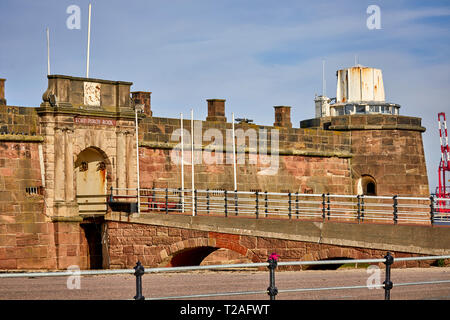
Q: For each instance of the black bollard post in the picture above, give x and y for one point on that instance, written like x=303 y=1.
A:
x=139 y=272
x=387 y=282
x=256 y=204
x=323 y=206
x=432 y=210
x=272 y=290
x=395 y=206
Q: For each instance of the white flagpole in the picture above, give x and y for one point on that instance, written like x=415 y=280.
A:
x=192 y=158
x=182 y=163
x=48 y=52
x=88 y=42
x=234 y=153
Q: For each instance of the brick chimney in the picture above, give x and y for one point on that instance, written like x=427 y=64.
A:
x=283 y=116
x=143 y=97
x=2 y=92
x=216 y=110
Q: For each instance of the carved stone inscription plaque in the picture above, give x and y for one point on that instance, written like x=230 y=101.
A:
x=92 y=94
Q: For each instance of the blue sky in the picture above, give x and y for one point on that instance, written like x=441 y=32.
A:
x=254 y=53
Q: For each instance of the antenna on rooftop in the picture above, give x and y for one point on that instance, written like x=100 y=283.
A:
x=88 y=42
x=48 y=52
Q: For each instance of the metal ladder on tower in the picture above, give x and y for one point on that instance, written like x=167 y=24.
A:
x=443 y=191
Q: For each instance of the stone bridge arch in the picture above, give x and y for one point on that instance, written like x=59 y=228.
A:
x=193 y=251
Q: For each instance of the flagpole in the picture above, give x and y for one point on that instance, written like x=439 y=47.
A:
x=192 y=158
x=234 y=152
x=48 y=52
x=88 y=42
x=182 y=163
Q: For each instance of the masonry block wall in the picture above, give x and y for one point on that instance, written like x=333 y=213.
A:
x=388 y=148
x=308 y=160
x=29 y=238
x=157 y=246
x=25 y=235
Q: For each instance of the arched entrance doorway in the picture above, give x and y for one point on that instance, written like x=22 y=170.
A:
x=91 y=181
x=367 y=186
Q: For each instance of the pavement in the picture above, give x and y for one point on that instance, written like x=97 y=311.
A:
x=165 y=285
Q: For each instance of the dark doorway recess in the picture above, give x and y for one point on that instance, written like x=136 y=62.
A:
x=93 y=234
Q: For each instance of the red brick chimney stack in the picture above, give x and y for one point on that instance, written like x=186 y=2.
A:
x=216 y=110
x=2 y=92
x=283 y=116
x=143 y=97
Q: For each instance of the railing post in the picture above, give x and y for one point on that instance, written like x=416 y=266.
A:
x=323 y=206
x=432 y=210
x=207 y=201
x=387 y=282
x=328 y=205
x=138 y=200
x=256 y=204
x=395 y=208
x=235 y=203
x=180 y=205
x=272 y=290
x=195 y=202
x=167 y=201
x=359 y=207
x=362 y=208
x=226 y=204
x=139 y=272
x=290 y=205
x=296 y=204
x=154 y=205
x=266 y=204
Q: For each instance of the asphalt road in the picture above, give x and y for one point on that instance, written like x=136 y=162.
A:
x=163 y=285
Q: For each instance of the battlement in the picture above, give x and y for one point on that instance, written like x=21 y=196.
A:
x=365 y=122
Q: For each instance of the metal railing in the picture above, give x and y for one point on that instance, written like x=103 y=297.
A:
x=272 y=264
x=352 y=208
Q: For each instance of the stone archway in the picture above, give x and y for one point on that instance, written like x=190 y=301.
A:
x=91 y=175
x=193 y=251
x=366 y=185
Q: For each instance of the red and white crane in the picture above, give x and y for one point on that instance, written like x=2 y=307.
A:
x=443 y=191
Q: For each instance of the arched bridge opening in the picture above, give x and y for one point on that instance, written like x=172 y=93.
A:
x=206 y=255
x=191 y=256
